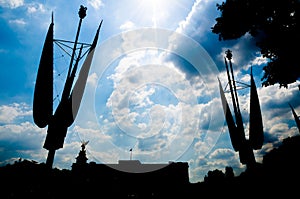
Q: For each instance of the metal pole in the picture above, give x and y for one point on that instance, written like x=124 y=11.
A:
x=50 y=158
x=231 y=89
x=82 y=14
x=69 y=82
x=130 y=154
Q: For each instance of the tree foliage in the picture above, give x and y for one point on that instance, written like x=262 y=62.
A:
x=275 y=27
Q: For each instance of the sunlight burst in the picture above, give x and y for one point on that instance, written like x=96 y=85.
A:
x=152 y=4
x=157 y=10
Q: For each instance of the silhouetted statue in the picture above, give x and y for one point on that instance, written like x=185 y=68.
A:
x=68 y=106
x=81 y=159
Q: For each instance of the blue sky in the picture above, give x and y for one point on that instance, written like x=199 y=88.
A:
x=157 y=96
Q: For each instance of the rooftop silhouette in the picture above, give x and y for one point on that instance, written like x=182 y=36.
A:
x=278 y=171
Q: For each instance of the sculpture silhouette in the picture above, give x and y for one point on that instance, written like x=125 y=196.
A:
x=239 y=142
x=296 y=117
x=68 y=107
x=81 y=159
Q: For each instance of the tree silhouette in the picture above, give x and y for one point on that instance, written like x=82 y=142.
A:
x=229 y=172
x=275 y=27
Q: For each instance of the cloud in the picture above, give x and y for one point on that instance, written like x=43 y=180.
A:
x=35 y=8
x=11 y=3
x=21 y=135
x=142 y=114
x=128 y=75
x=164 y=129
x=197 y=25
x=245 y=52
x=132 y=77
x=93 y=79
x=9 y=113
x=199 y=20
x=218 y=159
x=272 y=97
x=96 y=4
x=18 y=22
x=128 y=25
x=21 y=140
x=96 y=134
x=259 y=60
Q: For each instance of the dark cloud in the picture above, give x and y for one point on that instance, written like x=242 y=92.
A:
x=270 y=138
x=198 y=26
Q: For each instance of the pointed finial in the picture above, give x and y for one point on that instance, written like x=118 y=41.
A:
x=52 y=17
x=228 y=54
x=100 y=24
x=82 y=11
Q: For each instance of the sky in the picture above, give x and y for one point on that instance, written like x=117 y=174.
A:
x=152 y=86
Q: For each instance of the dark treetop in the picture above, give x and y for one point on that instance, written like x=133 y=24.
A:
x=275 y=27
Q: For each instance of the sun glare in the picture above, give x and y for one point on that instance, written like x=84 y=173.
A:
x=152 y=5
x=157 y=10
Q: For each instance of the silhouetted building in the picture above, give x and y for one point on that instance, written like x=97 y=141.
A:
x=131 y=177
x=278 y=174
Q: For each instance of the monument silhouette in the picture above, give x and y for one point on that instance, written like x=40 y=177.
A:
x=67 y=109
x=296 y=117
x=239 y=141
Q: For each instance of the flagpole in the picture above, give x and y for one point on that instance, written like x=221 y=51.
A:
x=130 y=154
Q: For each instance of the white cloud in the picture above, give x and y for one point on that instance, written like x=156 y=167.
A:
x=18 y=22
x=19 y=129
x=93 y=79
x=245 y=78
x=222 y=154
x=96 y=4
x=193 y=25
x=259 y=61
x=22 y=137
x=198 y=24
x=36 y=7
x=135 y=112
x=12 y=3
x=279 y=128
x=134 y=40
x=219 y=159
x=128 y=25
x=96 y=134
x=140 y=68
x=9 y=113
